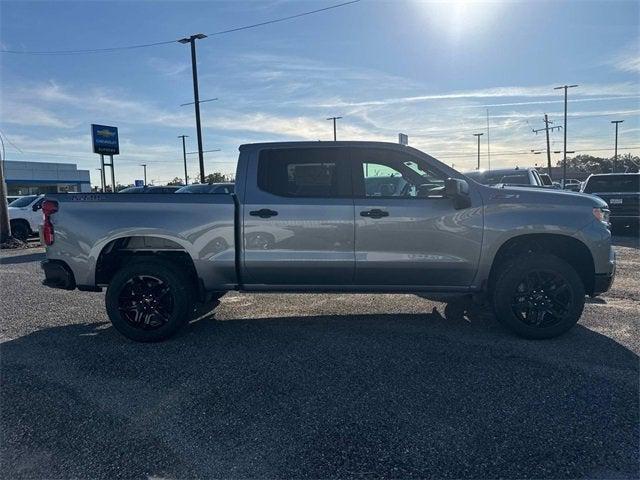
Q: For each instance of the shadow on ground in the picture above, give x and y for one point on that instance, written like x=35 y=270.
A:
x=324 y=396
x=22 y=258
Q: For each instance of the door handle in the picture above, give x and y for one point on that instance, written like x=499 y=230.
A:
x=375 y=213
x=263 y=213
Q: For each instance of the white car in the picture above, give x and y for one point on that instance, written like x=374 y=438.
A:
x=25 y=216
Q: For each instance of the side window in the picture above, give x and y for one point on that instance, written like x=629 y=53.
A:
x=303 y=172
x=390 y=174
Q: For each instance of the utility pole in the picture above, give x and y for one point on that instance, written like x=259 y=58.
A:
x=184 y=157
x=488 y=142
x=478 y=135
x=5 y=225
x=334 y=126
x=546 y=129
x=144 y=165
x=564 y=158
x=196 y=96
x=615 y=155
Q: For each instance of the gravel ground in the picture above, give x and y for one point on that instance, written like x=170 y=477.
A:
x=281 y=386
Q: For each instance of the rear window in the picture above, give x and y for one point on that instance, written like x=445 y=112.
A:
x=494 y=178
x=613 y=184
x=546 y=179
x=520 y=179
x=23 y=201
x=302 y=172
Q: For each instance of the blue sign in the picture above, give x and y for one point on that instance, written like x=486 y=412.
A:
x=105 y=140
x=138 y=183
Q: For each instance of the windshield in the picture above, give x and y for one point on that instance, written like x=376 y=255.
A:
x=23 y=201
x=613 y=183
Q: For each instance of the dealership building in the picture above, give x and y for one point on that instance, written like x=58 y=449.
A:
x=26 y=178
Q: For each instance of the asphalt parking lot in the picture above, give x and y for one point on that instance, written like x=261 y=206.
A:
x=316 y=386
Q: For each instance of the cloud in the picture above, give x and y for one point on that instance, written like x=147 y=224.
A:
x=628 y=60
x=620 y=89
x=31 y=115
x=167 y=68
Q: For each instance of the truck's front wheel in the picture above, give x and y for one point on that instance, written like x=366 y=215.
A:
x=538 y=296
x=149 y=300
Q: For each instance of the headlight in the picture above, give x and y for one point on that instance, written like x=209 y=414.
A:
x=601 y=214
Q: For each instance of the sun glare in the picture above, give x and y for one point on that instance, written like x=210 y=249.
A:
x=456 y=18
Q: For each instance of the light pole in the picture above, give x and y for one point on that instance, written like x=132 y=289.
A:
x=5 y=224
x=478 y=135
x=196 y=96
x=184 y=157
x=564 y=158
x=334 y=126
x=615 y=155
x=101 y=180
x=144 y=166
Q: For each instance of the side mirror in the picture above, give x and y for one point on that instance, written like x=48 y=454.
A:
x=36 y=206
x=458 y=191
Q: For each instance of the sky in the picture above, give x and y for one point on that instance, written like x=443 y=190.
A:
x=431 y=70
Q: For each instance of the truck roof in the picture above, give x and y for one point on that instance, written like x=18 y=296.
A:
x=320 y=143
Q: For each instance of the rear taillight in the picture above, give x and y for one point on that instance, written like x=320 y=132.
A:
x=49 y=207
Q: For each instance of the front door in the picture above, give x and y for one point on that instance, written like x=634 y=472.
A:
x=298 y=225
x=407 y=231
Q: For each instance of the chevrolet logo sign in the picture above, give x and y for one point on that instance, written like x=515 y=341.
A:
x=105 y=133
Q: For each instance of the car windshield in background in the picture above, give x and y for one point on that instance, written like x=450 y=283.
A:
x=132 y=190
x=23 y=201
x=491 y=178
x=206 y=188
x=613 y=183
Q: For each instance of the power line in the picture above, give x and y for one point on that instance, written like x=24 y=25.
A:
x=86 y=51
x=4 y=135
x=290 y=17
x=167 y=42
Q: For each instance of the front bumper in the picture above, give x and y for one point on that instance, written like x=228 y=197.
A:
x=603 y=281
x=57 y=275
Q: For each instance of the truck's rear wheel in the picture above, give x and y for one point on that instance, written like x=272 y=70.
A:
x=538 y=296
x=149 y=300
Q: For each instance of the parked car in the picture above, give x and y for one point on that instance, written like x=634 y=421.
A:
x=522 y=177
x=301 y=220
x=151 y=189
x=572 y=184
x=25 y=216
x=221 y=188
x=621 y=191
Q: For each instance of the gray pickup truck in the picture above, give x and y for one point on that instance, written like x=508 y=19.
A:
x=332 y=217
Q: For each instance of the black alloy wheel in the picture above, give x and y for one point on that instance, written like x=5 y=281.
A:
x=542 y=299
x=149 y=299
x=145 y=302
x=538 y=295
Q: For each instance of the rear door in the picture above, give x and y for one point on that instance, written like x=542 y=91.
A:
x=407 y=232
x=298 y=224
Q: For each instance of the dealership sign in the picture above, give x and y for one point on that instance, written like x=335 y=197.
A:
x=105 y=140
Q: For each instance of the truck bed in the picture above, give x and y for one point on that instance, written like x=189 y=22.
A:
x=203 y=225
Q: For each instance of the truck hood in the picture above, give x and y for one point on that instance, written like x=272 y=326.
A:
x=541 y=196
